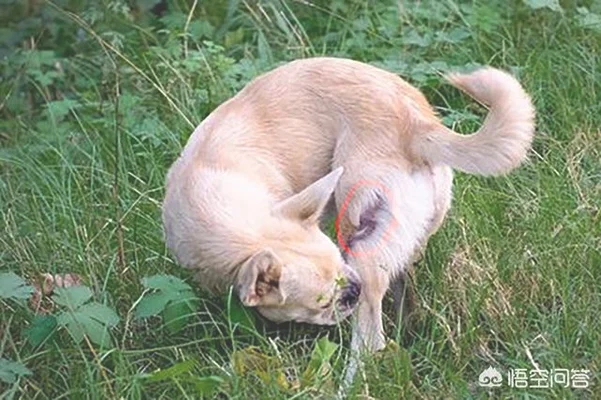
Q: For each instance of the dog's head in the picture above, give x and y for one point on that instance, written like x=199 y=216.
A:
x=300 y=276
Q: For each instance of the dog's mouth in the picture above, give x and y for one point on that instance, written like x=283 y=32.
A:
x=345 y=298
x=349 y=297
x=342 y=303
x=349 y=292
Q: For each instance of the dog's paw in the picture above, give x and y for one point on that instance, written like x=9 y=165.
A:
x=376 y=342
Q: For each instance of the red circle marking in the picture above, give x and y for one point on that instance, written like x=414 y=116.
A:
x=345 y=204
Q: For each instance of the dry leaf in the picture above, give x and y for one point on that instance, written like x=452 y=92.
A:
x=266 y=368
x=40 y=300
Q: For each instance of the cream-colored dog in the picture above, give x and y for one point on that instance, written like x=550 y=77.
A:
x=244 y=199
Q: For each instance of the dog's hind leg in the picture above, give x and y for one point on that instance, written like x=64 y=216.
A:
x=368 y=331
x=384 y=216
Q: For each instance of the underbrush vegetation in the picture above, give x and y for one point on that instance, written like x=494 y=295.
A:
x=97 y=99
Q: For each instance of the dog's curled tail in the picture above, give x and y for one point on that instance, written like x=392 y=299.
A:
x=501 y=143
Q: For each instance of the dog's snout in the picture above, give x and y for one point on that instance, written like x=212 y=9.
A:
x=350 y=295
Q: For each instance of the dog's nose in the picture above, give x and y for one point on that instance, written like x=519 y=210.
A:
x=350 y=295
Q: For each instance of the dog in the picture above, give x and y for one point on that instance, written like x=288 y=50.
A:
x=244 y=199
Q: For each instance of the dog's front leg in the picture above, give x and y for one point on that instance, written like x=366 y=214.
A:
x=368 y=331
x=367 y=328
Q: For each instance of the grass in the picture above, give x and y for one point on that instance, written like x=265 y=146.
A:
x=512 y=280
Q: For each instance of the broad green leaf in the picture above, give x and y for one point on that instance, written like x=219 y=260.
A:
x=41 y=328
x=201 y=28
x=75 y=329
x=97 y=332
x=151 y=304
x=176 y=315
x=72 y=297
x=413 y=37
x=173 y=371
x=240 y=315
x=174 y=20
x=11 y=370
x=45 y=78
x=12 y=286
x=146 y=5
x=486 y=16
x=550 y=4
x=281 y=22
x=79 y=324
x=166 y=283
x=172 y=297
x=589 y=20
x=92 y=319
x=455 y=35
x=37 y=58
x=319 y=365
x=58 y=109
x=100 y=313
x=264 y=49
x=324 y=349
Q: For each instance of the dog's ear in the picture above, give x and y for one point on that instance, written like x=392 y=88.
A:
x=308 y=205
x=258 y=281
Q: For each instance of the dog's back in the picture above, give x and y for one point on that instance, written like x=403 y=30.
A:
x=291 y=122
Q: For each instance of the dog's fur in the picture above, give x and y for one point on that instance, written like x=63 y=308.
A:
x=244 y=198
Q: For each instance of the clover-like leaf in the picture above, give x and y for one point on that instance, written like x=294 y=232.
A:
x=166 y=283
x=41 y=328
x=238 y=315
x=319 y=365
x=151 y=304
x=169 y=296
x=176 y=315
x=72 y=297
x=12 y=286
x=538 y=4
x=74 y=328
x=11 y=370
x=82 y=318
x=589 y=20
x=100 y=313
